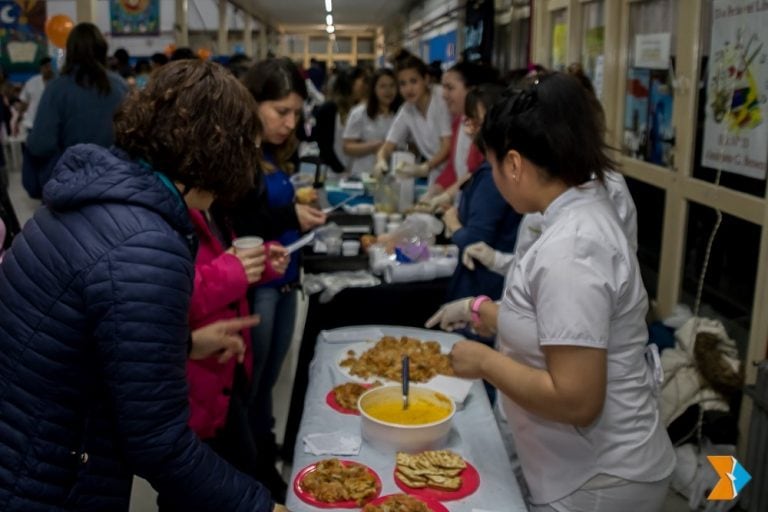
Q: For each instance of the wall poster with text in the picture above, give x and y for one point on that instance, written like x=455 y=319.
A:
x=736 y=125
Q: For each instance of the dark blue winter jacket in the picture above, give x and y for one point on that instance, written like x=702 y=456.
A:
x=94 y=297
x=485 y=217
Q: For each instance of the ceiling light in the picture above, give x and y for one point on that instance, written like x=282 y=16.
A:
x=330 y=29
x=328 y=6
x=329 y=19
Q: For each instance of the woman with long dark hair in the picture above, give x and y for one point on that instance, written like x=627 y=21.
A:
x=279 y=91
x=348 y=88
x=423 y=118
x=368 y=123
x=77 y=107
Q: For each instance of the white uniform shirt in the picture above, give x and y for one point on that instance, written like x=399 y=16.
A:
x=426 y=131
x=31 y=94
x=338 y=143
x=579 y=284
x=530 y=226
x=363 y=128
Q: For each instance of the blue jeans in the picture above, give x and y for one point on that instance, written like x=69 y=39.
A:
x=270 y=340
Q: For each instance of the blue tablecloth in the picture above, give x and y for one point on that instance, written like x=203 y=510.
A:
x=475 y=433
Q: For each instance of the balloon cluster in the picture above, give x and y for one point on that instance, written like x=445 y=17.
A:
x=57 y=29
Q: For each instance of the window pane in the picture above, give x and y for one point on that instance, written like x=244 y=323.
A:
x=729 y=286
x=559 y=39
x=649 y=202
x=592 y=43
x=364 y=45
x=648 y=131
x=318 y=45
x=343 y=45
x=294 y=43
x=711 y=87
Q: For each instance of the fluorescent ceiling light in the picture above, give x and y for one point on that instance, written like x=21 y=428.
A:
x=330 y=29
x=328 y=6
x=329 y=19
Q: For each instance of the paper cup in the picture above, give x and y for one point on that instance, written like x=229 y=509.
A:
x=247 y=242
x=379 y=223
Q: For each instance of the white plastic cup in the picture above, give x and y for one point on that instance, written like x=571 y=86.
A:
x=379 y=223
x=350 y=248
x=392 y=226
x=247 y=242
x=396 y=217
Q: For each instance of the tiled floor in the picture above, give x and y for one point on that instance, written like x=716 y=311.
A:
x=143 y=496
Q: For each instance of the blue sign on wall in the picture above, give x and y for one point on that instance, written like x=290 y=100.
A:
x=442 y=48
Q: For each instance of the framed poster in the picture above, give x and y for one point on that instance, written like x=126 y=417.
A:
x=735 y=129
x=134 y=17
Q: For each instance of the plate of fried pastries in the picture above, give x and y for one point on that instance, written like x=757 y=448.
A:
x=369 y=361
x=440 y=475
x=343 y=398
x=403 y=503
x=334 y=483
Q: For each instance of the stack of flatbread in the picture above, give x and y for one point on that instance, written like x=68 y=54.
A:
x=438 y=469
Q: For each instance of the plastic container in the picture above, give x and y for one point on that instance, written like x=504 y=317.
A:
x=350 y=248
x=388 y=437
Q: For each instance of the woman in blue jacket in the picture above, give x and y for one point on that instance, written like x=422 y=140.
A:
x=76 y=108
x=482 y=214
x=94 y=301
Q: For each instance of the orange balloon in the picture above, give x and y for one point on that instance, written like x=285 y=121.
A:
x=170 y=49
x=204 y=53
x=57 y=28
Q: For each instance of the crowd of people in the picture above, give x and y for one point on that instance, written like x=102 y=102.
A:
x=137 y=336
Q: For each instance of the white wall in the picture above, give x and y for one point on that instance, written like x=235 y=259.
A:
x=203 y=15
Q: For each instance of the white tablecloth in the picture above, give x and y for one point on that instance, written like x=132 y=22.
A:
x=475 y=434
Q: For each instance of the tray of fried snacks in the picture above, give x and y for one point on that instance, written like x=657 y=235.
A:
x=440 y=475
x=334 y=483
x=403 y=503
x=368 y=361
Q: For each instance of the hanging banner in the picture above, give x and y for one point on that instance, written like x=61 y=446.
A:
x=736 y=126
x=478 y=31
x=134 y=17
x=22 y=35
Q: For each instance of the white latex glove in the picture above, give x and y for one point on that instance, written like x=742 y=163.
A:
x=452 y=316
x=380 y=168
x=479 y=251
x=405 y=170
x=432 y=204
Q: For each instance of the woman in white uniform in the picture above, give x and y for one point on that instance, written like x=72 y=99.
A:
x=577 y=390
x=368 y=123
x=423 y=118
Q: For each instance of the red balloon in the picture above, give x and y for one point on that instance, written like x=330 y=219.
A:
x=57 y=28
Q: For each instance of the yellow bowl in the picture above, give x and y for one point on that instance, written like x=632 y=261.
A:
x=425 y=425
